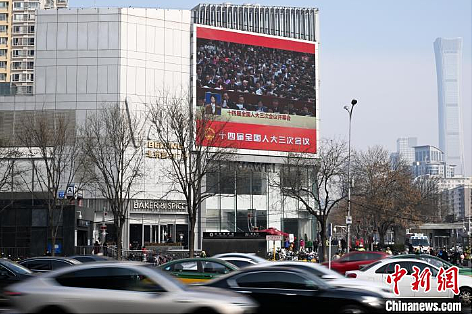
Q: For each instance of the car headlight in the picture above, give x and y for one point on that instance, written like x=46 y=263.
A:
x=372 y=300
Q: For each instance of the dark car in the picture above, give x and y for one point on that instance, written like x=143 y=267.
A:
x=295 y=291
x=90 y=258
x=45 y=264
x=10 y=273
x=355 y=260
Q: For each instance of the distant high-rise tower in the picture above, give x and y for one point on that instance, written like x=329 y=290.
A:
x=448 y=57
x=405 y=148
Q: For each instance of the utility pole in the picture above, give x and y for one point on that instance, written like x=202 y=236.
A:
x=348 y=219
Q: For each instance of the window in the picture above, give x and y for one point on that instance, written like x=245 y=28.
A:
x=3 y=76
x=18 y=5
x=19 y=269
x=6 y=272
x=3 y=40
x=422 y=266
x=111 y=278
x=31 y=29
x=3 y=64
x=57 y=264
x=352 y=257
x=38 y=265
x=3 y=4
x=3 y=52
x=276 y=280
x=3 y=16
x=389 y=268
x=187 y=266
x=3 y=28
x=212 y=267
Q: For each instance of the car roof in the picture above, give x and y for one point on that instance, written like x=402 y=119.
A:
x=220 y=261
x=391 y=260
x=71 y=260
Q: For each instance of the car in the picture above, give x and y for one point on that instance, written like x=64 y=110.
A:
x=354 y=260
x=11 y=272
x=334 y=278
x=240 y=259
x=436 y=261
x=379 y=271
x=119 y=287
x=192 y=270
x=47 y=263
x=294 y=291
x=90 y=258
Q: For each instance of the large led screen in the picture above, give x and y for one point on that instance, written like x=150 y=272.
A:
x=260 y=89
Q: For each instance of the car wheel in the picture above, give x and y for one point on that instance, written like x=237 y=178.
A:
x=352 y=309
x=52 y=309
x=464 y=296
x=204 y=310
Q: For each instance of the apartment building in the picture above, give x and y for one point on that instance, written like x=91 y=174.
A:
x=17 y=41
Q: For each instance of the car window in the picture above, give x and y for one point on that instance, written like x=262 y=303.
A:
x=390 y=268
x=277 y=280
x=5 y=271
x=39 y=265
x=186 y=266
x=57 y=264
x=422 y=266
x=370 y=265
x=436 y=262
x=351 y=257
x=239 y=263
x=17 y=268
x=213 y=267
x=109 y=278
x=372 y=256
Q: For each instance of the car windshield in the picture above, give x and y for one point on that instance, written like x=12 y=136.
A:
x=19 y=269
x=420 y=242
x=370 y=265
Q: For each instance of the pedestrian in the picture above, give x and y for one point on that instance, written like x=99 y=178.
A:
x=96 y=248
x=388 y=251
x=302 y=243
x=309 y=245
x=286 y=243
x=105 y=249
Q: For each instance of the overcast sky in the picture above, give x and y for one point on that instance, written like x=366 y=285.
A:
x=380 y=53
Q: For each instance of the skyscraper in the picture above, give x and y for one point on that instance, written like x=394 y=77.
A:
x=448 y=57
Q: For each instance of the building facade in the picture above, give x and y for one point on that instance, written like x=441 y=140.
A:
x=448 y=57
x=429 y=160
x=88 y=58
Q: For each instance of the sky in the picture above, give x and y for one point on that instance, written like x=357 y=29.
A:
x=380 y=53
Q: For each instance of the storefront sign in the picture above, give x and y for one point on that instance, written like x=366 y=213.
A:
x=234 y=235
x=159 y=206
x=159 y=150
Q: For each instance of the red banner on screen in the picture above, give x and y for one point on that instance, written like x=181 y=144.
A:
x=259 y=137
x=255 y=40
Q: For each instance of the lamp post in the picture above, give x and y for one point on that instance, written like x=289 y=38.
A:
x=348 y=220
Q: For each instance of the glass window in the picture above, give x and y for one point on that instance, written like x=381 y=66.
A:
x=422 y=266
x=5 y=271
x=16 y=267
x=3 y=28
x=370 y=265
x=56 y=264
x=3 y=16
x=352 y=257
x=187 y=266
x=213 y=267
x=3 y=40
x=389 y=268
x=239 y=263
x=3 y=4
x=38 y=265
x=112 y=278
x=277 y=280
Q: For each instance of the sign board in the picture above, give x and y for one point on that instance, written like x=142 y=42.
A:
x=274 y=237
x=233 y=235
x=61 y=194
x=70 y=191
x=329 y=230
x=291 y=238
x=159 y=206
x=348 y=219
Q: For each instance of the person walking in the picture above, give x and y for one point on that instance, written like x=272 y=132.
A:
x=96 y=248
x=309 y=245
x=302 y=244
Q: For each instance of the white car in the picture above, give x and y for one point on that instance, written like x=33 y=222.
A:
x=379 y=271
x=240 y=259
x=119 y=288
x=336 y=279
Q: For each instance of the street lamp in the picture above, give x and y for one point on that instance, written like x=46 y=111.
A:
x=348 y=220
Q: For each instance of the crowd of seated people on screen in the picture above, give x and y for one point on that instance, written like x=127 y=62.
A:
x=255 y=70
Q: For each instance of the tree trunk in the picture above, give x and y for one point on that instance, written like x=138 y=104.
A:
x=119 y=238
x=382 y=233
x=53 y=235
x=323 y=239
x=191 y=238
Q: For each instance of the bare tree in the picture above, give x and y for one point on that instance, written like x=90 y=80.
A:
x=112 y=144
x=195 y=146
x=386 y=194
x=50 y=140
x=9 y=172
x=317 y=183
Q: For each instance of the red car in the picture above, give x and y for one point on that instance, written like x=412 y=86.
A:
x=353 y=261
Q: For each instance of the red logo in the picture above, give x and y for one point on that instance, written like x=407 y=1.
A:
x=421 y=279
x=396 y=277
x=448 y=279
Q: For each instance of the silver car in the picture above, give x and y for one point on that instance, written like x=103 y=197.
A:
x=119 y=288
x=241 y=259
